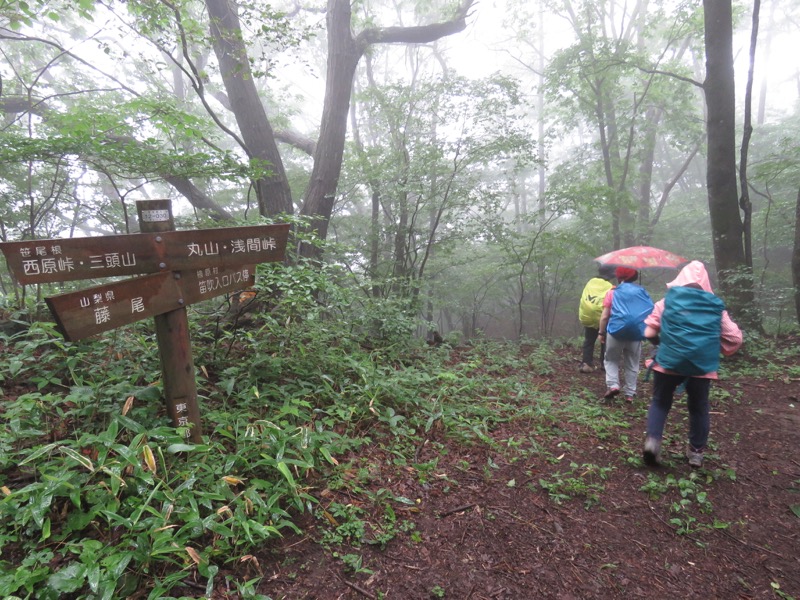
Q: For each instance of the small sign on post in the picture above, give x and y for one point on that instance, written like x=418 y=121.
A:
x=175 y=268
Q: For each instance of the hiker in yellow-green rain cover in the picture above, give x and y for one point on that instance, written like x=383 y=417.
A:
x=589 y=311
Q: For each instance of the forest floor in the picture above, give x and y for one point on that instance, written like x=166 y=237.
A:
x=562 y=507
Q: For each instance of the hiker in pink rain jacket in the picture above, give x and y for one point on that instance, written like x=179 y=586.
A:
x=698 y=384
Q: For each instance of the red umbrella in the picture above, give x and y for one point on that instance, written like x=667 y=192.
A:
x=642 y=257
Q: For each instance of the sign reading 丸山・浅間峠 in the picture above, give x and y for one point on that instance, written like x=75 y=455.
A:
x=52 y=260
x=101 y=308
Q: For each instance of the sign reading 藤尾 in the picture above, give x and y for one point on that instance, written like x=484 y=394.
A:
x=94 y=310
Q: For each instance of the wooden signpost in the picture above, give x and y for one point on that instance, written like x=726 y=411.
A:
x=176 y=268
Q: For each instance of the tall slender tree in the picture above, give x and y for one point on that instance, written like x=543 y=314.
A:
x=727 y=229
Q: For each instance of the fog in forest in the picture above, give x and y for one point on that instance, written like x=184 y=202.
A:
x=455 y=166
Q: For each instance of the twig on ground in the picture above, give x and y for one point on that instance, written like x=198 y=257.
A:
x=748 y=544
x=753 y=481
x=295 y=544
x=658 y=516
x=419 y=449
x=463 y=535
x=194 y=585
x=359 y=589
x=472 y=589
x=458 y=509
x=402 y=564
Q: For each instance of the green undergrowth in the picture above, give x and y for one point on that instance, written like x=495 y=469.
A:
x=100 y=496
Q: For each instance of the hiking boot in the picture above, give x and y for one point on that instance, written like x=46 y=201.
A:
x=651 y=455
x=695 y=457
x=584 y=368
x=614 y=391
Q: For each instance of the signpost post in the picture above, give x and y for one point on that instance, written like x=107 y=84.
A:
x=176 y=268
x=172 y=333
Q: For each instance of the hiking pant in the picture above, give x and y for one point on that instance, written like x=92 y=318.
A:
x=697 y=389
x=589 y=338
x=628 y=354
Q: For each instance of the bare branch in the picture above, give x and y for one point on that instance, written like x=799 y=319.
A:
x=421 y=34
x=287 y=136
x=669 y=74
x=7 y=34
x=296 y=140
x=671 y=184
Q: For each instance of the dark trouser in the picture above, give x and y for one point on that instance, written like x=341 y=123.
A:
x=697 y=398
x=589 y=338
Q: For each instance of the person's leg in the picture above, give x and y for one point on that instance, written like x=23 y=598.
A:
x=589 y=339
x=613 y=356
x=697 y=390
x=663 y=391
x=631 y=359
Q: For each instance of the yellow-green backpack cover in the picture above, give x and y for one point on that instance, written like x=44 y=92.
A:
x=591 y=306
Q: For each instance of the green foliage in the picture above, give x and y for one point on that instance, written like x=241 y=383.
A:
x=162 y=502
x=691 y=504
x=108 y=497
x=19 y=13
x=101 y=496
x=583 y=481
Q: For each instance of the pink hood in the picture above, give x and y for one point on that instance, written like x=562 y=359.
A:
x=694 y=272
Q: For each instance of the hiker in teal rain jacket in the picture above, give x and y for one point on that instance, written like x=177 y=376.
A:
x=691 y=327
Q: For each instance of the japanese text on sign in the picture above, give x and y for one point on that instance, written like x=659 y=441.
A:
x=211 y=280
x=46 y=261
x=50 y=259
x=94 y=310
x=235 y=247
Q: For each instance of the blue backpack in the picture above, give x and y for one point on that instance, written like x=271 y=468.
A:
x=630 y=306
x=691 y=325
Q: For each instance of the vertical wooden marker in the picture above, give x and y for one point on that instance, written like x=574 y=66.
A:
x=172 y=333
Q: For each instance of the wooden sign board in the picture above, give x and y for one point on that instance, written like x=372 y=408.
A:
x=53 y=260
x=177 y=268
x=93 y=310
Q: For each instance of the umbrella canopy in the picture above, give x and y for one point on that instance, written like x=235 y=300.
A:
x=642 y=257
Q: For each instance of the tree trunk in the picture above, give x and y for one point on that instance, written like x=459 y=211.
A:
x=796 y=257
x=540 y=116
x=375 y=197
x=762 y=94
x=343 y=57
x=744 y=200
x=652 y=119
x=272 y=187
x=344 y=52
x=727 y=230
